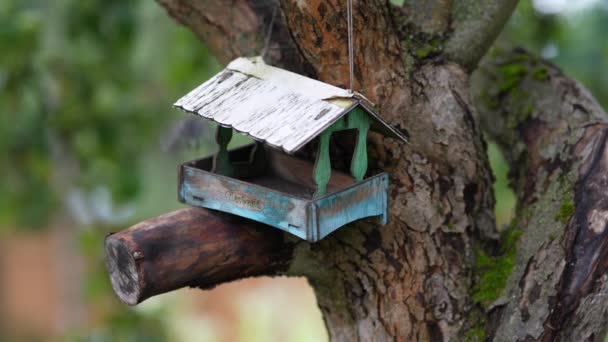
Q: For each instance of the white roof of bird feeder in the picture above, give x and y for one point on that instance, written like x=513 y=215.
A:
x=280 y=108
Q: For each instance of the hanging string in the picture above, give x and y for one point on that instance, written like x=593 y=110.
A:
x=269 y=32
x=351 y=62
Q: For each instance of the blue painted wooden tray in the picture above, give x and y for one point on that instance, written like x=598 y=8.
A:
x=284 y=196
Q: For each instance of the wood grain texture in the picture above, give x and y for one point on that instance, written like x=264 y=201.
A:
x=265 y=111
x=191 y=247
x=280 y=108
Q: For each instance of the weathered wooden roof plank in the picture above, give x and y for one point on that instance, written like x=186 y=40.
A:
x=280 y=108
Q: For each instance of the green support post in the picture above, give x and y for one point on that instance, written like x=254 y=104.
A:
x=357 y=119
x=323 y=163
x=361 y=121
x=221 y=161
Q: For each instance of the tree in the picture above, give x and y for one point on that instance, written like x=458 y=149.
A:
x=441 y=270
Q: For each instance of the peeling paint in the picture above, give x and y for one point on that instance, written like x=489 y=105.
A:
x=280 y=108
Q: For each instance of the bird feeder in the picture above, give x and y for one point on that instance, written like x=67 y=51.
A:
x=283 y=111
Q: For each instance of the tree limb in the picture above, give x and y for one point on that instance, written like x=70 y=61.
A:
x=319 y=29
x=191 y=247
x=461 y=31
x=430 y=16
x=555 y=136
x=238 y=29
x=476 y=25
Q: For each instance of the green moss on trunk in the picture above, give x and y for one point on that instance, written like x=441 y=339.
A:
x=566 y=210
x=493 y=271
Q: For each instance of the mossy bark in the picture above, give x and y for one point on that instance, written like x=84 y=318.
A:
x=554 y=135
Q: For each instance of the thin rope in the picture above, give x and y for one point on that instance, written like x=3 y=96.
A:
x=269 y=32
x=351 y=62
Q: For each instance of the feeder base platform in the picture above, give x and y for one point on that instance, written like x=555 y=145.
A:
x=284 y=196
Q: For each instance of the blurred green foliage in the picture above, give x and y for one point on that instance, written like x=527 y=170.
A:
x=573 y=38
x=85 y=90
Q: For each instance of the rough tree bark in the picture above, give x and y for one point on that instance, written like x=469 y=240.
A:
x=437 y=271
x=555 y=135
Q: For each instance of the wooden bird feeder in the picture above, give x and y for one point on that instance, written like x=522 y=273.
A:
x=283 y=111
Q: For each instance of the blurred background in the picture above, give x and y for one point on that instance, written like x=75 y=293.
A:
x=89 y=145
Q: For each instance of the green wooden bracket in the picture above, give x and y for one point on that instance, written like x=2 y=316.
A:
x=221 y=161
x=361 y=121
x=323 y=164
x=356 y=119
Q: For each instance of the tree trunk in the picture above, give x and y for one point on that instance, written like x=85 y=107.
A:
x=437 y=271
x=554 y=135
